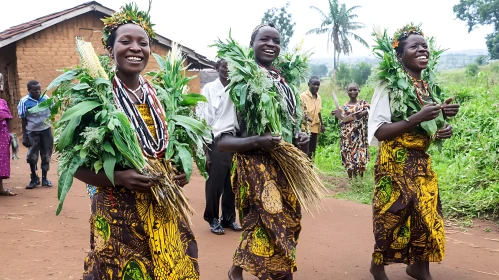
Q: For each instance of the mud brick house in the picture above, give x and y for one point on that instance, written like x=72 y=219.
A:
x=39 y=49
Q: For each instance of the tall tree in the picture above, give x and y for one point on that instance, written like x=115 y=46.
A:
x=481 y=12
x=283 y=21
x=338 y=24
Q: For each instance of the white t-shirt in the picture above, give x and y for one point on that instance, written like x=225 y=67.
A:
x=219 y=111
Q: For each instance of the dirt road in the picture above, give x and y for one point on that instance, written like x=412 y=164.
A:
x=36 y=244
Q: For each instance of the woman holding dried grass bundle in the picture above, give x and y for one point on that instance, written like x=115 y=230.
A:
x=132 y=236
x=269 y=209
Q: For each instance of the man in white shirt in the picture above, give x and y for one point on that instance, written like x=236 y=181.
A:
x=219 y=163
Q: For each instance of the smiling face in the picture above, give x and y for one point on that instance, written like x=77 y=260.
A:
x=313 y=86
x=353 y=91
x=267 y=45
x=415 y=54
x=131 y=49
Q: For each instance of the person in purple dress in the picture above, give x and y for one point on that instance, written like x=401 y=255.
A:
x=5 y=139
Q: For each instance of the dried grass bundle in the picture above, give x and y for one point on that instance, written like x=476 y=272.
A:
x=166 y=191
x=303 y=179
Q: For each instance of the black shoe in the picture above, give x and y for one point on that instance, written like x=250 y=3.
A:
x=216 y=228
x=46 y=183
x=37 y=180
x=232 y=225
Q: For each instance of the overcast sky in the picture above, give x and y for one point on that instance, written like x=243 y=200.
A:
x=197 y=23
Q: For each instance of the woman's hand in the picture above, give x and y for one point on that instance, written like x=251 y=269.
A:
x=428 y=112
x=337 y=113
x=323 y=128
x=445 y=132
x=181 y=179
x=132 y=180
x=267 y=141
x=301 y=141
x=450 y=110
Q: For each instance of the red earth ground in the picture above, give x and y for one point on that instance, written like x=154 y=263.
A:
x=337 y=244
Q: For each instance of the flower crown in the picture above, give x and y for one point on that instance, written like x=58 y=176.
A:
x=129 y=13
x=404 y=32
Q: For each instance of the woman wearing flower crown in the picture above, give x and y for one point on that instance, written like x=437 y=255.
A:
x=406 y=116
x=131 y=236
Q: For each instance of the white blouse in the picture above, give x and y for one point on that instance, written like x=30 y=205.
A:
x=379 y=113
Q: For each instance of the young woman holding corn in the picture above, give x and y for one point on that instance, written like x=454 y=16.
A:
x=269 y=211
x=131 y=235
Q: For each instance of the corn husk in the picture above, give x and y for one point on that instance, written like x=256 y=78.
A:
x=89 y=59
x=302 y=178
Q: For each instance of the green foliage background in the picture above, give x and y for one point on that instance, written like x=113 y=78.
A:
x=467 y=166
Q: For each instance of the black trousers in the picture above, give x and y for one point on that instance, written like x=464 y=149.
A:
x=219 y=185
x=42 y=144
x=312 y=145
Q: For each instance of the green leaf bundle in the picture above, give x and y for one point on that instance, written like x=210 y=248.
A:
x=254 y=93
x=263 y=110
x=403 y=97
x=186 y=131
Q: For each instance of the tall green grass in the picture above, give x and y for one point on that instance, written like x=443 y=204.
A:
x=467 y=166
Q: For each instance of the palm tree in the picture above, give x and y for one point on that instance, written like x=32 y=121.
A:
x=338 y=25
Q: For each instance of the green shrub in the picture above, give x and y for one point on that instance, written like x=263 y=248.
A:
x=472 y=69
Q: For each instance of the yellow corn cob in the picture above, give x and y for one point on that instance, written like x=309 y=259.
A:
x=89 y=59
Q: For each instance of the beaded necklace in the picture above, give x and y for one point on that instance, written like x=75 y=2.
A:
x=423 y=93
x=151 y=146
x=284 y=92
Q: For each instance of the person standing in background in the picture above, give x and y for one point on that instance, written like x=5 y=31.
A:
x=312 y=105
x=5 y=140
x=37 y=133
x=219 y=163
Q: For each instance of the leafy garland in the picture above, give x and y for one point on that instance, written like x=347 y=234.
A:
x=93 y=133
x=129 y=13
x=404 y=100
x=254 y=93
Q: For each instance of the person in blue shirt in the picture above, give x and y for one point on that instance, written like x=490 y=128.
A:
x=37 y=134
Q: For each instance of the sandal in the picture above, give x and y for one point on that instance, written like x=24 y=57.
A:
x=216 y=228
x=7 y=192
x=46 y=183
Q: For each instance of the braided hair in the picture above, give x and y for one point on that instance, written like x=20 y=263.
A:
x=255 y=31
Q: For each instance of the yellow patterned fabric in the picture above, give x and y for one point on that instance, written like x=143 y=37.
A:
x=133 y=239
x=407 y=213
x=270 y=215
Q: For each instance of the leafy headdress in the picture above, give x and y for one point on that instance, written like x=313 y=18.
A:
x=129 y=13
x=404 y=100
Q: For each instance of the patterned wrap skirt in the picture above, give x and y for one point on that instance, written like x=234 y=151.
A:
x=407 y=214
x=132 y=238
x=270 y=216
